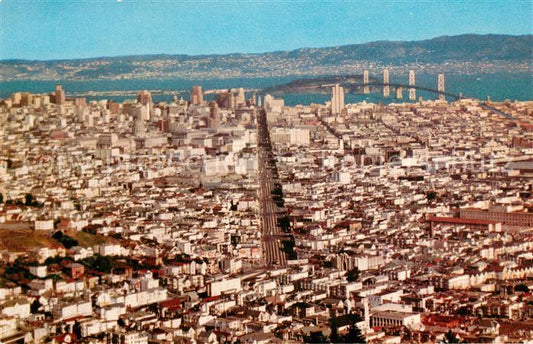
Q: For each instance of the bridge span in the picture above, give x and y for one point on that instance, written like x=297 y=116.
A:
x=411 y=86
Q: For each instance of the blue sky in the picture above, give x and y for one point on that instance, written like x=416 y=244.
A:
x=56 y=29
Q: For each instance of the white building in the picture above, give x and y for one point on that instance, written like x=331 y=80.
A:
x=44 y=225
x=299 y=136
x=337 y=99
x=19 y=308
x=216 y=288
x=108 y=250
x=393 y=319
x=64 y=310
x=39 y=271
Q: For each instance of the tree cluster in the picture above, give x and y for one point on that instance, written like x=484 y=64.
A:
x=353 y=335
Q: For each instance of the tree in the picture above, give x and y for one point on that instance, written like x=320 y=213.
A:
x=431 y=195
x=449 y=337
x=28 y=199
x=521 y=287
x=58 y=235
x=76 y=329
x=288 y=248
x=104 y=264
x=316 y=337
x=354 y=335
x=353 y=274
x=334 y=337
x=65 y=240
x=463 y=311
x=99 y=263
x=34 y=307
x=1 y=198
x=285 y=223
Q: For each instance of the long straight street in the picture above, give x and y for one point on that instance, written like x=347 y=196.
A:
x=269 y=211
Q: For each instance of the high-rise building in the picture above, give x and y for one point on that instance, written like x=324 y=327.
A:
x=272 y=104
x=113 y=107
x=386 y=87
x=139 y=127
x=225 y=99
x=80 y=101
x=440 y=87
x=197 y=95
x=213 y=121
x=59 y=95
x=239 y=97
x=412 y=90
x=144 y=97
x=337 y=99
x=16 y=97
x=26 y=99
x=268 y=101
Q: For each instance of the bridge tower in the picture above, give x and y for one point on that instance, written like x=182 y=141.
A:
x=399 y=92
x=366 y=89
x=386 y=87
x=440 y=87
x=412 y=90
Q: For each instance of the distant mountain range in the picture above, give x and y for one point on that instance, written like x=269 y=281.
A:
x=478 y=51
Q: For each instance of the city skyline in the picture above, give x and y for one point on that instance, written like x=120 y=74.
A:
x=361 y=173
x=54 y=29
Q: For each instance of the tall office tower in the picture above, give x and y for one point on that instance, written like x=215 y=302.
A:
x=214 y=116
x=337 y=99
x=399 y=93
x=386 y=87
x=197 y=95
x=59 y=95
x=268 y=101
x=16 y=97
x=412 y=90
x=26 y=99
x=239 y=97
x=145 y=98
x=440 y=87
x=139 y=129
x=366 y=89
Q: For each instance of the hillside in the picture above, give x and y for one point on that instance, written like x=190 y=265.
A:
x=24 y=238
x=476 y=49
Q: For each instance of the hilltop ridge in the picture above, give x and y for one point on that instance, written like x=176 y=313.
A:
x=475 y=50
